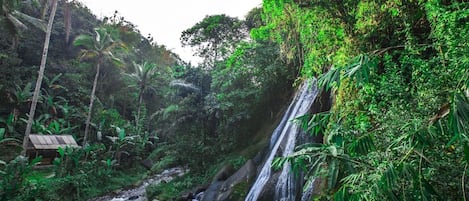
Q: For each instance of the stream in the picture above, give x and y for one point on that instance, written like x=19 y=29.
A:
x=138 y=193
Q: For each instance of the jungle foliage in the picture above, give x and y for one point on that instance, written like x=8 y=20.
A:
x=125 y=98
x=399 y=75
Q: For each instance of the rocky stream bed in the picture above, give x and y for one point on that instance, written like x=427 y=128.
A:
x=138 y=193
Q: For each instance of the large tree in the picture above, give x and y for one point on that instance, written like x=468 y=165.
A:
x=101 y=49
x=215 y=37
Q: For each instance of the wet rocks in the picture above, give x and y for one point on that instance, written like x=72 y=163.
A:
x=138 y=193
x=229 y=187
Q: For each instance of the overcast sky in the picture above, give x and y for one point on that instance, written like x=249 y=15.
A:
x=166 y=19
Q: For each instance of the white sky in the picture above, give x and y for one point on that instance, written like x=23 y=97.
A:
x=166 y=19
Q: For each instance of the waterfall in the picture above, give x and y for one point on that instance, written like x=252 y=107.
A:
x=286 y=132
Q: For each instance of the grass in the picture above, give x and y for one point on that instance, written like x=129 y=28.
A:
x=118 y=180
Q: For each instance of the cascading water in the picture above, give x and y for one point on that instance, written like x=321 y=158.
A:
x=285 y=132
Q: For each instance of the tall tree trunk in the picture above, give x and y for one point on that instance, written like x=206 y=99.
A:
x=67 y=20
x=90 y=110
x=40 y=76
x=137 y=120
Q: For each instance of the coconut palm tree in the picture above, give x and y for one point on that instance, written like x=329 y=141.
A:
x=100 y=48
x=144 y=79
x=41 y=74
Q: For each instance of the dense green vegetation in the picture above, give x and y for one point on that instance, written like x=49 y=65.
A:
x=126 y=99
x=398 y=73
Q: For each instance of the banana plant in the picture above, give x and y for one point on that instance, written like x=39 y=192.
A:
x=9 y=125
x=4 y=140
x=23 y=94
x=120 y=142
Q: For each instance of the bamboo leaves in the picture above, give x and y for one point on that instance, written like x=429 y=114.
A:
x=314 y=124
x=459 y=115
x=358 y=70
x=331 y=79
x=317 y=160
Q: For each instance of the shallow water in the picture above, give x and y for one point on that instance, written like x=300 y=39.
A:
x=138 y=193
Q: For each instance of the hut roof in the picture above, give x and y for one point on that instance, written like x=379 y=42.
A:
x=52 y=141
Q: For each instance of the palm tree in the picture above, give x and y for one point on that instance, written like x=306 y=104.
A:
x=13 y=21
x=41 y=74
x=101 y=48
x=144 y=78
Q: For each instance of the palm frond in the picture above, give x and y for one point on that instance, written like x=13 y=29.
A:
x=87 y=54
x=16 y=22
x=84 y=40
x=36 y=22
x=115 y=60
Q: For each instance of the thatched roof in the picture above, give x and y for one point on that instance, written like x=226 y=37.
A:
x=51 y=141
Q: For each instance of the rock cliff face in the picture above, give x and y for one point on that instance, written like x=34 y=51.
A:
x=276 y=185
x=232 y=187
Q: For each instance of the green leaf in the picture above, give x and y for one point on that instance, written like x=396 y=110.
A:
x=61 y=152
x=333 y=173
x=360 y=69
x=362 y=145
x=330 y=80
x=2 y=133
x=121 y=133
x=57 y=161
x=458 y=120
x=35 y=161
x=84 y=40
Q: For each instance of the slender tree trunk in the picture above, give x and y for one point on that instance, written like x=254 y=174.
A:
x=90 y=110
x=137 y=120
x=40 y=76
x=67 y=12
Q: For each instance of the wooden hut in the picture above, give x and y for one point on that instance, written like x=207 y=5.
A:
x=47 y=146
